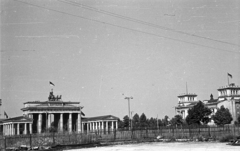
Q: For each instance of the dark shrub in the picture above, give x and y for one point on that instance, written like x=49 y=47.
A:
x=226 y=138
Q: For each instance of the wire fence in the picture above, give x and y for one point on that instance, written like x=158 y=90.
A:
x=51 y=139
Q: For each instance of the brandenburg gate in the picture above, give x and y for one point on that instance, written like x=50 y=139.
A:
x=54 y=114
x=61 y=116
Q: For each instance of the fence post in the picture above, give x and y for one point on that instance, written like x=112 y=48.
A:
x=146 y=133
x=209 y=134
x=189 y=129
x=173 y=131
x=53 y=139
x=114 y=134
x=199 y=130
x=69 y=138
x=5 y=142
x=30 y=136
x=234 y=130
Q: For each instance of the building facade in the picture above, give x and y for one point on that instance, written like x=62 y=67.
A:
x=16 y=126
x=185 y=101
x=100 y=123
x=228 y=96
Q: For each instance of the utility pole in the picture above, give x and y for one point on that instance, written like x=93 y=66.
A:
x=0 y=107
x=128 y=98
x=131 y=120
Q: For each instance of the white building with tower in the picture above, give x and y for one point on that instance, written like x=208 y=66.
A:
x=228 y=96
x=185 y=101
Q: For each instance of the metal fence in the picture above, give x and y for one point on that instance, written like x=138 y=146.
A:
x=50 y=139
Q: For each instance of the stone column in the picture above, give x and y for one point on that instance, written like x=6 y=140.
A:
x=30 y=128
x=82 y=128
x=112 y=125
x=25 y=128
x=79 y=120
x=14 y=129
x=87 y=127
x=39 y=123
x=90 y=126
x=6 y=129
x=234 y=112
x=116 y=125
x=10 y=129
x=3 y=129
x=106 y=125
x=102 y=125
x=70 y=123
x=61 y=122
x=93 y=126
x=11 y=132
x=18 y=132
x=49 y=120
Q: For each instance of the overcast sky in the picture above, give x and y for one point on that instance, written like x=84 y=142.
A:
x=100 y=51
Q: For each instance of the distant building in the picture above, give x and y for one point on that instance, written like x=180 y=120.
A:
x=16 y=126
x=185 y=102
x=228 y=96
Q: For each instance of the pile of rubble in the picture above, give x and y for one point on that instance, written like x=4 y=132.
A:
x=25 y=147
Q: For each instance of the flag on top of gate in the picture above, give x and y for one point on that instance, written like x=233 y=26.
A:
x=5 y=114
x=229 y=75
x=51 y=84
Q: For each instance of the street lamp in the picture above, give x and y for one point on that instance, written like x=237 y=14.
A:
x=128 y=98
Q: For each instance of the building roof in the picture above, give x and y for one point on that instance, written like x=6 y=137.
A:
x=51 y=102
x=18 y=119
x=99 y=118
x=230 y=86
x=187 y=94
x=191 y=104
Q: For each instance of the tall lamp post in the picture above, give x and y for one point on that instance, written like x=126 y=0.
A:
x=128 y=98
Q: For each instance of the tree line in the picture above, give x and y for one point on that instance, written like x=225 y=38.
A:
x=199 y=114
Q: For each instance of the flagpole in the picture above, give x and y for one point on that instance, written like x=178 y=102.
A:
x=0 y=108
x=228 y=79
x=186 y=88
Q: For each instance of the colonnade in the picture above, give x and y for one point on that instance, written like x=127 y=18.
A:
x=17 y=128
x=61 y=121
x=91 y=126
